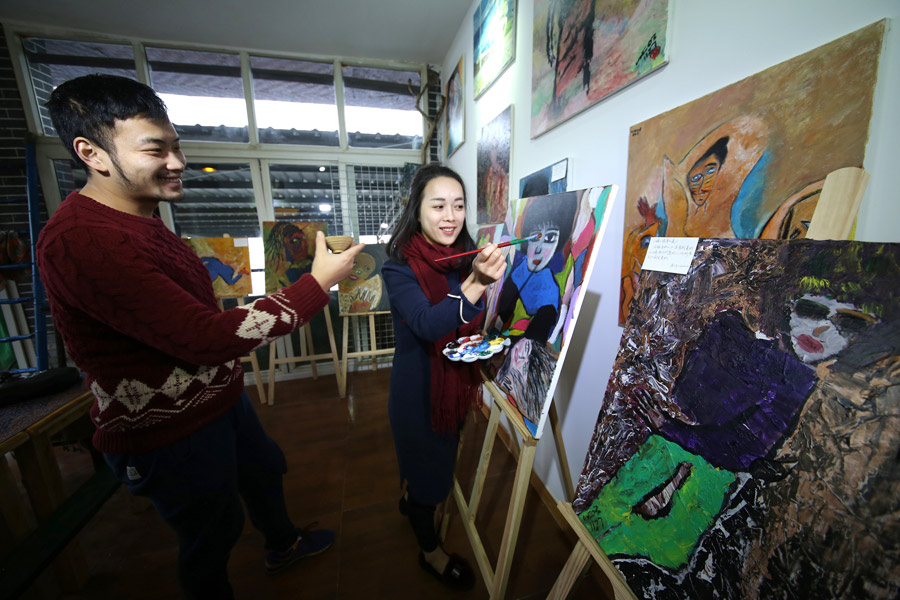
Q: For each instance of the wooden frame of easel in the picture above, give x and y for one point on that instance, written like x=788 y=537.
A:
x=374 y=351
x=833 y=219
x=251 y=358
x=306 y=345
x=496 y=580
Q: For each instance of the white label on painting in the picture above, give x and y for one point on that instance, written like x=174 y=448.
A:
x=241 y=242
x=558 y=171
x=670 y=254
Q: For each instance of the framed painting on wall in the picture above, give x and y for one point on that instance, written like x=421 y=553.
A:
x=456 y=109
x=549 y=180
x=586 y=50
x=494 y=149
x=494 y=24
x=289 y=251
x=746 y=445
x=228 y=262
x=749 y=160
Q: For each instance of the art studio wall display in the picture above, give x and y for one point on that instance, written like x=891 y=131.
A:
x=494 y=149
x=228 y=262
x=363 y=291
x=494 y=24
x=289 y=251
x=538 y=300
x=456 y=109
x=746 y=445
x=749 y=160
x=585 y=50
x=549 y=180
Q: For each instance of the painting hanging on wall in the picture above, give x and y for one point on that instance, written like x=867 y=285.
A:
x=228 y=262
x=539 y=297
x=289 y=251
x=747 y=443
x=494 y=149
x=494 y=24
x=585 y=50
x=549 y=180
x=749 y=160
x=363 y=291
x=456 y=109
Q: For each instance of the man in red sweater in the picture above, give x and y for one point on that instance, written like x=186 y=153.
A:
x=137 y=313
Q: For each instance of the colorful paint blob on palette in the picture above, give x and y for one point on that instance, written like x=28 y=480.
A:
x=475 y=347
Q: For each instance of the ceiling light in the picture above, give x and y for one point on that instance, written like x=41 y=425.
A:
x=322 y=169
x=325 y=207
x=209 y=169
x=384 y=225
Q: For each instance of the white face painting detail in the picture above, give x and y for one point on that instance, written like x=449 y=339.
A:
x=822 y=327
x=541 y=250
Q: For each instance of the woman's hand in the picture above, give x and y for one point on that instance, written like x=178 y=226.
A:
x=488 y=267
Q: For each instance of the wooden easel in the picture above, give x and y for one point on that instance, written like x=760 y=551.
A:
x=251 y=358
x=585 y=549
x=833 y=219
x=374 y=352
x=306 y=346
x=496 y=580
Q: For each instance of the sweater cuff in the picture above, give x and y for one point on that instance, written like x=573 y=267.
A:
x=306 y=296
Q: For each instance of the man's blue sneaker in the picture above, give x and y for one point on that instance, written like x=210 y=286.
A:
x=309 y=543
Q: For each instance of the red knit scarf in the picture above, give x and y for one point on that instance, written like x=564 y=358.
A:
x=455 y=386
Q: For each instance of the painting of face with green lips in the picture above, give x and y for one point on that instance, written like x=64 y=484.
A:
x=658 y=504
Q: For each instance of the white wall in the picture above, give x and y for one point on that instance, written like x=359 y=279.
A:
x=711 y=44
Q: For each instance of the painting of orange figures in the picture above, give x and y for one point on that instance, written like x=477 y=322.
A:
x=749 y=160
x=363 y=290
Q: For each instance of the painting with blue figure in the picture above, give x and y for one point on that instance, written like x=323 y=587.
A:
x=749 y=160
x=539 y=297
x=228 y=262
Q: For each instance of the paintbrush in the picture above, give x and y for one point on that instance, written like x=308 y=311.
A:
x=530 y=238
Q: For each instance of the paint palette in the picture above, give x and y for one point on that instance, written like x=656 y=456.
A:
x=475 y=347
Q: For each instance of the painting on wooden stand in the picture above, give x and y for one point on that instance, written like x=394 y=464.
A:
x=228 y=262
x=363 y=291
x=289 y=250
x=746 y=445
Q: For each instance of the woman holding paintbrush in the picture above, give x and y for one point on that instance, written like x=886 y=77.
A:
x=433 y=302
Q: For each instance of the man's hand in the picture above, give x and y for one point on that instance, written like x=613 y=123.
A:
x=328 y=268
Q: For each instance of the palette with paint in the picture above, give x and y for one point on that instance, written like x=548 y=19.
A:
x=475 y=347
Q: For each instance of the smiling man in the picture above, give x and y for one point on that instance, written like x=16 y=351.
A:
x=137 y=312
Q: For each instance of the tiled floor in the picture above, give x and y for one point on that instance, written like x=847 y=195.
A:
x=343 y=475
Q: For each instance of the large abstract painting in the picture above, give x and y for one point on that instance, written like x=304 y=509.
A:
x=494 y=147
x=456 y=109
x=228 y=263
x=363 y=291
x=747 y=443
x=749 y=160
x=538 y=300
x=494 y=24
x=585 y=50
x=289 y=249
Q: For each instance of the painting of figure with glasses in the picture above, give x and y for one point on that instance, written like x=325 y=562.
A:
x=747 y=443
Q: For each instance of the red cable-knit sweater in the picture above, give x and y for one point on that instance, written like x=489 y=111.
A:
x=137 y=313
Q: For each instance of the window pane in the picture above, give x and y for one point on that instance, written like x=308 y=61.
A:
x=379 y=108
x=218 y=200
x=380 y=195
x=203 y=91
x=51 y=62
x=308 y=193
x=294 y=101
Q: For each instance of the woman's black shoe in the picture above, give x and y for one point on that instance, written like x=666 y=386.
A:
x=457 y=574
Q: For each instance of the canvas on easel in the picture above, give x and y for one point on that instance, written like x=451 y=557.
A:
x=746 y=443
x=227 y=260
x=289 y=251
x=542 y=290
x=363 y=300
